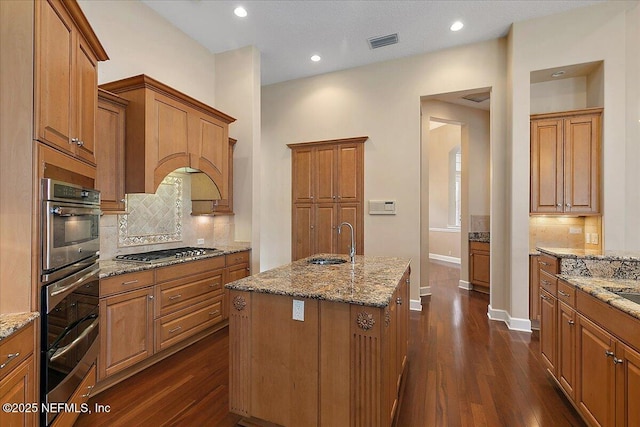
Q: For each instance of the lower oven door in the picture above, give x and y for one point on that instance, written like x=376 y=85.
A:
x=70 y=333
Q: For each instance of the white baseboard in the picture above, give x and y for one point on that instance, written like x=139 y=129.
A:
x=416 y=305
x=463 y=284
x=513 y=323
x=445 y=258
x=425 y=291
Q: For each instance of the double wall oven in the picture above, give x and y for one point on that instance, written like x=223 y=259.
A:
x=70 y=241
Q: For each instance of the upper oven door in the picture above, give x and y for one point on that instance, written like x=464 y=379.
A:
x=70 y=233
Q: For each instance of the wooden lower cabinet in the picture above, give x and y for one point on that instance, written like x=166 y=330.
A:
x=597 y=370
x=126 y=330
x=548 y=330
x=534 y=292
x=479 y=266
x=238 y=267
x=18 y=376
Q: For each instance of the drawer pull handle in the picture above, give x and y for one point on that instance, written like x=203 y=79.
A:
x=571 y=322
x=175 y=329
x=86 y=395
x=214 y=285
x=609 y=353
x=617 y=361
x=545 y=263
x=130 y=282
x=10 y=357
x=564 y=294
x=544 y=282
x=214 y=313
x=544 y=297
x=248 y=269
x=175 y=297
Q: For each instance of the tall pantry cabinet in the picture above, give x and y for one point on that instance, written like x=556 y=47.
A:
x=327 y=189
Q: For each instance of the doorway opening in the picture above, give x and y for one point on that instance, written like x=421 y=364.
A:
x=455 y=187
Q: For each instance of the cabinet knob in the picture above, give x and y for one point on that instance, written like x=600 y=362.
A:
x=617 y=361
x=80 y=143
x=608 y=353
x=399 y=301
x=568 y=205
x=122 y=200
x=75 y=141
x=150 y=297
x=571 y=322
x=333 y=197
x=311 y=197
x=248 y=269
x=559 y=205
x=312 y=227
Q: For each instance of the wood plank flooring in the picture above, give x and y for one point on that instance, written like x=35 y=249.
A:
x=464 y=370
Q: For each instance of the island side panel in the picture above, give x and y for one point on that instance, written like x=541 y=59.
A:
x=367 y=378
x=240 y=353
x=335 y=364
x=284 y=361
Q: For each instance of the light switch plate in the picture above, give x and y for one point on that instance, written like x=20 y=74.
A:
x=201 y=241
x=298 y=310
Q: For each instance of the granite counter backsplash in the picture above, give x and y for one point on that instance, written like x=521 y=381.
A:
x=370 y=281
x=480 y=236
x=13 y=322
x=588 y=263
x=114 y=268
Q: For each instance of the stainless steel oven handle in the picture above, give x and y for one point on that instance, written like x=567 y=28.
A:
x=63 y=350
x=76 y=283
x=64 y=211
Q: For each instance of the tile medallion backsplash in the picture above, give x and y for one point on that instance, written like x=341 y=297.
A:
x=153 y=218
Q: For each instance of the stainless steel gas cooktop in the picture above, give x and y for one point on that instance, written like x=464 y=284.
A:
x=165 y=254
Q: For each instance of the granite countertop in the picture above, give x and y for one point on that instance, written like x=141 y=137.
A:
x=113 y=267
x=11 y=323
x=480 y=236
x=370 y=281
x=591 y=254
x=604 y=288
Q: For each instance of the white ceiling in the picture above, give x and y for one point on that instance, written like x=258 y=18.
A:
x=287 y=33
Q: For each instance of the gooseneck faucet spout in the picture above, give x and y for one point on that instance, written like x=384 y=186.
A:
x=352 y=250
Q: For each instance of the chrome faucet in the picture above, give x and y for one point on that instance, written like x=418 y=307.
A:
x=352 y=250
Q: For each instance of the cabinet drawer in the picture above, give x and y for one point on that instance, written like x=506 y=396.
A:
x=549 y=264
x=80 y=396
x=237 y=258
x=479 y=246
x=182 y=324
x=171 y=296
x=125 y=282
x=189 y=268
x=567 y=293
x=15 y=349
x=548 y=282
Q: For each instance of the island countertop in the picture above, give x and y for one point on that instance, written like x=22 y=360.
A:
x=371 y=281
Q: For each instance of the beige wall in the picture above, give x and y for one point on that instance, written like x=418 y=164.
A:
x=559 y=95
x=584 y=35
x=382 y=101
x=632 y=120
x=442 y=141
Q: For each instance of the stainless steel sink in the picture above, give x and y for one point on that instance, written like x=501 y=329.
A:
x=630 y=296
x=326 y=261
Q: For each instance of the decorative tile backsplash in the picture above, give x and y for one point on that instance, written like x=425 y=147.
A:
x=153 y=218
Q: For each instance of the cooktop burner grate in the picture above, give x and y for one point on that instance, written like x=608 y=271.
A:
x=165 y=254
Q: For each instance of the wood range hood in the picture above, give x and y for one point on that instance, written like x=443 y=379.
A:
x=167 y=130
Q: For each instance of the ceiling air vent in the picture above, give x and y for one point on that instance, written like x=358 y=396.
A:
x=376 y=42
x=477 y=97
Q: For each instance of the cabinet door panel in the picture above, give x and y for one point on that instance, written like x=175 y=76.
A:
x=627 y=387
x=126 y=324
x=212 y=153
x=110 y=156
x=325 y=165
x=581 y=164
x=546 y=166
x=303 y=232
x=326 y=228
x=87 y=102
x=19 y=387
x=596 y=376
x=349 y=172
x=479 y=267
x=302 y=175
x=170 y=145
x=567 y=348
x=548 y=330
x=350 y=212
x=54 y=91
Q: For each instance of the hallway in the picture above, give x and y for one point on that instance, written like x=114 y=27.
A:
x=466 y=370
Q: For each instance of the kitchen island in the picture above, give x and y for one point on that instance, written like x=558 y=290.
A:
x=320 y=345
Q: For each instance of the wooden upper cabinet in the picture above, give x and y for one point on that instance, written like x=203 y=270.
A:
x=167 y=130
x=325 y=174
x=303 y=179
x=565 y=162
x=348 y=187
x=110 y=125
x=66 y=78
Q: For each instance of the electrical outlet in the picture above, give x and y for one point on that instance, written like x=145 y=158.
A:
x=575 y=230
x=298 y=310
x=587 y=237
x=201 y=241
x=594 y=238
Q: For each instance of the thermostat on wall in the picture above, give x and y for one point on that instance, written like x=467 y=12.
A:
x=382 y=207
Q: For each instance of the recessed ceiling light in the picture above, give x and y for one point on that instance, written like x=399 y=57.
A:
x=316 y=58
x=456 y=26
x=558 y=73
x=240 y=12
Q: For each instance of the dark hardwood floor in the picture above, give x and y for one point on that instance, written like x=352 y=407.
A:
x=464 y=370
